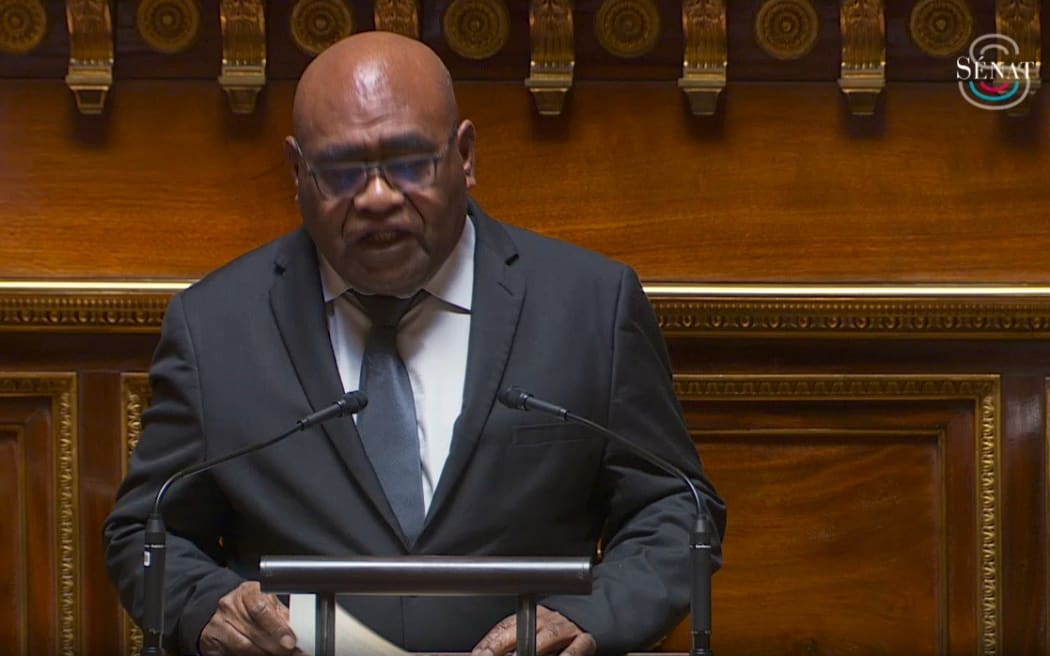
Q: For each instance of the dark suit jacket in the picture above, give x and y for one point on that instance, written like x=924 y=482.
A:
x=245 y=352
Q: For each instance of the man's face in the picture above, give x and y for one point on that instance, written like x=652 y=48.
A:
x=388 y=236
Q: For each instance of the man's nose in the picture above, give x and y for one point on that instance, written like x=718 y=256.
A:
x=378 y=193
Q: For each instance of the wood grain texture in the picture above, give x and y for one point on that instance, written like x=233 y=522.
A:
x=782 y=186
x=865 y=574
x=29 y=556
x=1022 y=367
x=884 y=566
x=14 y=541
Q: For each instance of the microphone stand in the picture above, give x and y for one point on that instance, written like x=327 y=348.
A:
x=156 y=535
x=701 y=537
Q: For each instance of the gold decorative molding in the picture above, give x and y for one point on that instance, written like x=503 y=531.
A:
x=705 y=60
x=941 y=28
x=168 y=26
x=243 y=52
x=863 y=26
x=399 y=16
x=23 y=26
x=850 y=312
x=317 y=24
x=61 y=388
x=135 y=396
x=476 y=29
x=135 y=393
x=988 y=457
x=787 y=29
x=83 y=310
x=90 y=73
x=1019 y=20
x=627 y=28
x=982 y=390
x=683 y=310
x=553 y=54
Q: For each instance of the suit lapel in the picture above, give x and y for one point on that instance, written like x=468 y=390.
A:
x=298 y=308
x=496 y=305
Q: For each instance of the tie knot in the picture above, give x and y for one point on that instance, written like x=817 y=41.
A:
x=387 y=311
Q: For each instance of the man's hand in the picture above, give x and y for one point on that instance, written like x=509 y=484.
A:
x=248 y=623
x=554 y=634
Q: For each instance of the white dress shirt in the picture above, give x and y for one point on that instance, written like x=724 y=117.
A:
x=432 y=340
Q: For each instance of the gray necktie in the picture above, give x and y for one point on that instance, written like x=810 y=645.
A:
x=388 y=424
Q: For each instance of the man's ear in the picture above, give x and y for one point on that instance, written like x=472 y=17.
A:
x=465 y=141
x=293 y=154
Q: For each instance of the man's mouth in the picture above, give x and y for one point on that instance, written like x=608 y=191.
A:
x=383 y=237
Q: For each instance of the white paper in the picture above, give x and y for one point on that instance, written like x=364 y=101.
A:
x=351 y=636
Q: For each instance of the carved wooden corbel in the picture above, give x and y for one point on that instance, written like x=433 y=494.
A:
x=243 y=52
x=553 y=54
x=399 y=16
x=863 y=26
x=704 y=61
x=1019 y=20
x=90 y=73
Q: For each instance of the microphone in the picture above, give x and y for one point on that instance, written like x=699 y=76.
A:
x=156 y=537
x=701 y=537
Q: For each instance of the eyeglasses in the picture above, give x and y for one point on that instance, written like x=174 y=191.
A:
x=406 y=174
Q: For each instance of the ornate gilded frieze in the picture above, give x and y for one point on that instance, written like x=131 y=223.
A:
x=941 y=28
x=705 y=60
x=317 y=24
x=476 y=29
x=23 y=25
x=683 y=310
x=1019 y=20
x=553 y=54
x=627 y=28
x=168 y=26
x=94 y=311
x=243 y=52
x=863 y=78
x=870 y=312
x=982 y=390
x=787 y=29
x=61 y=388
x=90 y=73
x=400 y=16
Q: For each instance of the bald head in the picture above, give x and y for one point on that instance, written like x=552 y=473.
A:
x=368 y=73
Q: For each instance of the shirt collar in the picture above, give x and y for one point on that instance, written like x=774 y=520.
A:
x=453 y=283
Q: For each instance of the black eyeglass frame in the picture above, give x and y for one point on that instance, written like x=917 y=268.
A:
x=382 y=168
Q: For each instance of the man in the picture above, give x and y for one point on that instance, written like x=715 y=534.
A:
x=382 y=168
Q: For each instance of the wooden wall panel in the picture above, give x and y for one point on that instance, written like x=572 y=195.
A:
x=874 y=554
x=857 y=505
x=14 y=541
x=86 y=424
x=1022 y=367
x=783 y=185
x=41 y=568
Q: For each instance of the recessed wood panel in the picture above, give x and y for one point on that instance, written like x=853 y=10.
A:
x=835 y=542
x=14 y=541
x=37 y=424
x=857 y=507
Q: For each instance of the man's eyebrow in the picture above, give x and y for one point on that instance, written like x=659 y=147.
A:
x=396 y=145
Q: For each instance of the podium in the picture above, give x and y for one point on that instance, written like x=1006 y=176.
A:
x=526 y=578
